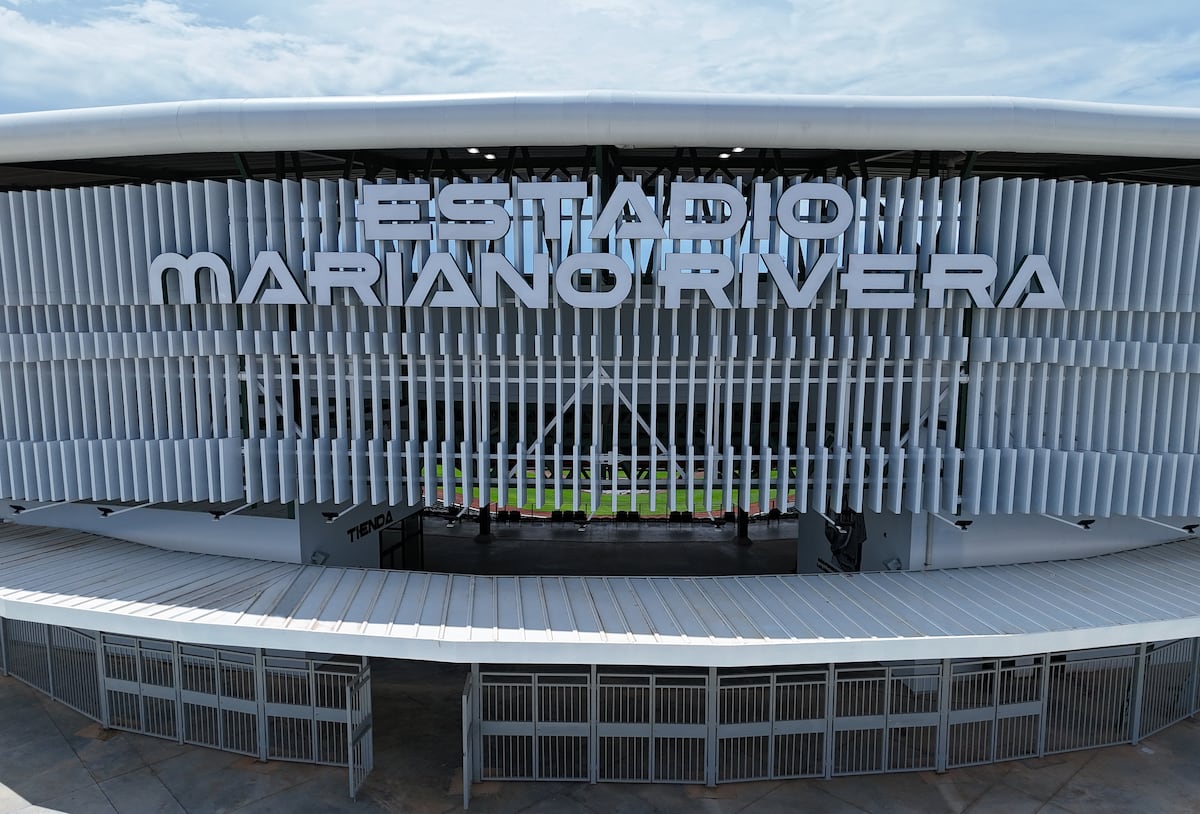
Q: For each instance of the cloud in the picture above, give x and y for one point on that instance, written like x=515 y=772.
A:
x=58 y=54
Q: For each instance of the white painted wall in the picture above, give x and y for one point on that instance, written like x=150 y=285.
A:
x=339 y=540
x=993 y=540
x=923 y=541
x=260 y=538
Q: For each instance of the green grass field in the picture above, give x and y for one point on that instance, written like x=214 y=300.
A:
x=602 y=503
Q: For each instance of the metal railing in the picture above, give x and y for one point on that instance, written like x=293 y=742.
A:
x=720 y=726
x=266 y=704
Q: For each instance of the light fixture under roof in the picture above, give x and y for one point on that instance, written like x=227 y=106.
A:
x=723 y=155
x=961 y=524
x=473 y=150
x=739 y=149
x=490 y=156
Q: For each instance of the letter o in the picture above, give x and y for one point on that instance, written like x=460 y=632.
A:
x=815 y=230
x=564 y=280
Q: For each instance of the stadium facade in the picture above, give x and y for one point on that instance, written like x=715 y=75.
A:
x=936 y=332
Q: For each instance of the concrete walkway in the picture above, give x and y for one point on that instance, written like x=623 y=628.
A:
x=52 y=759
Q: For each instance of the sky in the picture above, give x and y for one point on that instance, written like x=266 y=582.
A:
x=63 y=54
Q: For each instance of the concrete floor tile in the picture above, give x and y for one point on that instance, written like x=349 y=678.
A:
x=1003 y=799
x=513 y=797
x=140 y=792
x=622 y=798
x=902 y=793
x=41 y=768
x=155 y=750
x=807 y=796
x=1159 y=775
x=89 y=800
x=207 y=781
x=105 y=759
x=558 y=804
x=1044 y=777
x=324 y=796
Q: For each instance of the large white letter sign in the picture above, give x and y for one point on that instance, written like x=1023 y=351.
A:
x=442 y=264
x=390 y=212
x=551 y=194
x=1033 y=267
x=683 y=229
x=973 y=273
x=802 y=297
x=564 y=280
x=879 y=281
x=495 y=267
x=674 y=280
x=815 y=229
x=646 y=224
x=354 y=270
x=271 y=265
x=473 y=221
x=189 y=272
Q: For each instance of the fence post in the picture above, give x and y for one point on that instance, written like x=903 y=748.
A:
x=535 y=719
x=467 y=738
x=1194 y=682
x=830 y=713
x=1135 y=695
x=3 y=651
x=710 y=740
x=772 y=699
x=260 y=690
x=477 y=711
x=884 y=752
x=1044 y=717
x=313 y=690
x=945 y=688
x=177 y=669
x=102 y=678
x=49 y=662
x=593 y=725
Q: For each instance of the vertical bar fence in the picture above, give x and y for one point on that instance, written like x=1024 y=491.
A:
x=265 y=704
x=721 y=726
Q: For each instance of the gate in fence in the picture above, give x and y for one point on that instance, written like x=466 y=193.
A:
x=719 y=726
x=359 y=724
x=271 y=705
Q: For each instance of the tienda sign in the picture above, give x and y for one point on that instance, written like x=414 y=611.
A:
x=480 y=213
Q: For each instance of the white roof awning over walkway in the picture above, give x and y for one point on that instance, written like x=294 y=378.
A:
x=81 y=580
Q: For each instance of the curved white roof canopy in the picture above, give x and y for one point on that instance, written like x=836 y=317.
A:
x=646 y=120
x=81 y=580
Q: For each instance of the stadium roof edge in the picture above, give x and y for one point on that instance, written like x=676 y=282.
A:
x=636 y=119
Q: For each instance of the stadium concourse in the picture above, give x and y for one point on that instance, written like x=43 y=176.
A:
x=710 y=439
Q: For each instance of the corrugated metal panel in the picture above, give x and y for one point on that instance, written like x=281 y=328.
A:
x=75 y=579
